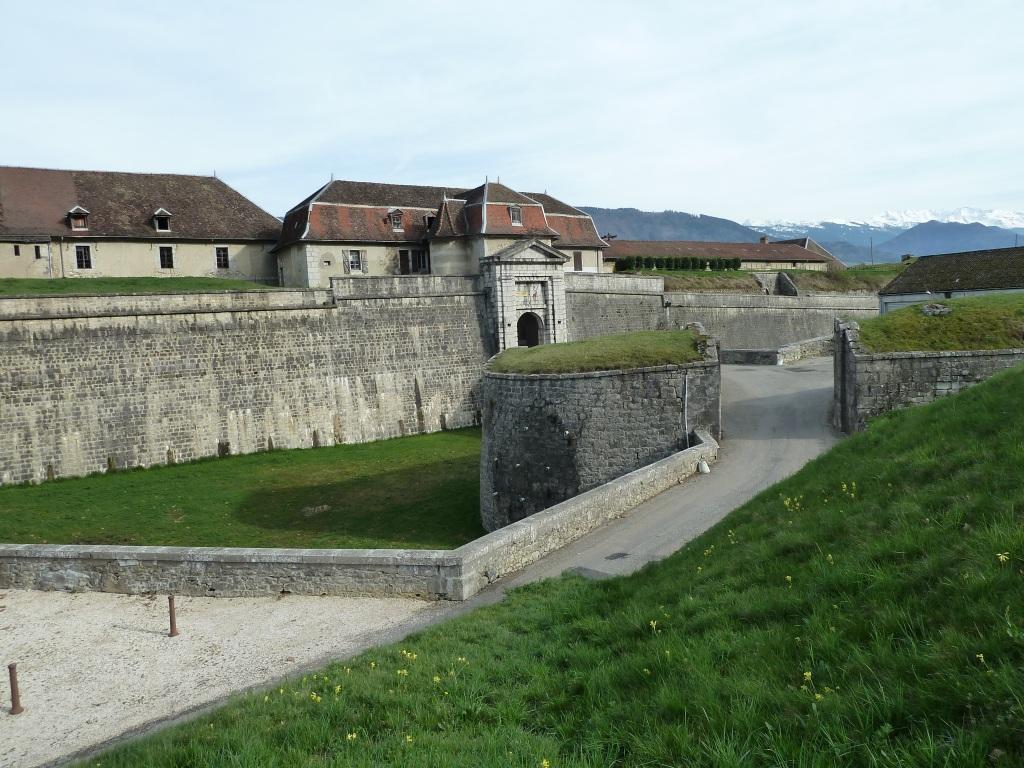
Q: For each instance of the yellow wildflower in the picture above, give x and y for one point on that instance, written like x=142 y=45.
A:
x=1003 y=557
x=403 y=673
x=980 y=657
x=408 y=739
x=544 y=763
x=437 y=679
x=807 y=676
x=352 y=736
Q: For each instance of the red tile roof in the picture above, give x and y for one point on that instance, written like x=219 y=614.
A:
x=768 y=252
x=36 y=201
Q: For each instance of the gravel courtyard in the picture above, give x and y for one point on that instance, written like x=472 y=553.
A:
x=92 y=666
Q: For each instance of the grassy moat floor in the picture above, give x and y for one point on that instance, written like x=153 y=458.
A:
x=419 y=492
x=868 y=611
x=89 y=286
x=638 y=349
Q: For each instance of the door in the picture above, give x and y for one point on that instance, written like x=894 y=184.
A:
x=528 y=330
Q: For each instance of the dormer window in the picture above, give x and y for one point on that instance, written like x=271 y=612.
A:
x=516 y=214
x=162 y=220
x=396 y=220
x=78 y=218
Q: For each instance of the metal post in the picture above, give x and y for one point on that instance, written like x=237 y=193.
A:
x=16 y=708
x=174 y=622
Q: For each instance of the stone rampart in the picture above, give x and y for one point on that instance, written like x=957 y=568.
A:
x=550 y=437
x=598 y=305
x=234 y=572
x=85 y=394
x=866 y=385
x=55 y=307
x=759 y=322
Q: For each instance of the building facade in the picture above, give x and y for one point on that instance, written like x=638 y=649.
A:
x=63 y=224
x=350 y=228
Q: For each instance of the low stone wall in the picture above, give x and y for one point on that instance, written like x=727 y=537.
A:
x=598 y=305
x=867 y=385
x=549 y=437
x=232 y=572
x=820 y=346
x=749 y=356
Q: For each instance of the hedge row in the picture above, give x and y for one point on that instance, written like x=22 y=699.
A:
x=632 y=263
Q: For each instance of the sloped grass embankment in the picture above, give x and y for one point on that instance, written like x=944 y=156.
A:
x=867 y=611
x=978 y=322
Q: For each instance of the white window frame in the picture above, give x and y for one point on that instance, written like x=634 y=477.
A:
x=515 y=215
x=396 y=222
x=160 y=255
x=357 y=264
x=87 y=249
x=165 y=219
x=216 y=256
x=85 y=222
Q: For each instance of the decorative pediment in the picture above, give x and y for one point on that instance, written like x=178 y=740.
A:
x=527 y=252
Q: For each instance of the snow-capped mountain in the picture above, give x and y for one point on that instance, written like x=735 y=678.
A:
x=901 y=220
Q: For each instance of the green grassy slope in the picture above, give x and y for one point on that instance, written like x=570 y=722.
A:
x=862 y=277
x=10 y=286
x=984 y=322
x=416 y=492
x=868 y=611
x=638 y=349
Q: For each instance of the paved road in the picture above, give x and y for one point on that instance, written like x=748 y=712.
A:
x=775 y=419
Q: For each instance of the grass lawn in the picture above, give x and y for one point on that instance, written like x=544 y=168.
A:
x=725 y=281
x=412 y=492
x=868 y=611
x=863 y=277
x=638 y=349
x=10 y=286
x=984 y=322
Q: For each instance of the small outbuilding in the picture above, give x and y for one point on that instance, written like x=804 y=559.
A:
x=954 y=276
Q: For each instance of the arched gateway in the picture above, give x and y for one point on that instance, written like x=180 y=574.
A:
x=528 y=330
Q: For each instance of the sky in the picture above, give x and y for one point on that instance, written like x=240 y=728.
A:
x=759 y=110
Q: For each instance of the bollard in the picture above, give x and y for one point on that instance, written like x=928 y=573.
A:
x=16 y=708
x=174 y=621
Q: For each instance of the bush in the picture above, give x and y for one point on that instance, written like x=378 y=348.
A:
x=624 y=264
x=659 y=263
x=648 y=262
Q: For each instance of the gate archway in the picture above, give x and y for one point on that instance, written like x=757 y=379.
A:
x=528 y=330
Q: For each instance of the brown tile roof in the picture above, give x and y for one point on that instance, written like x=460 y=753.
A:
x=357 y=211
x=780 y=252
x=35 y=201
x=554 y=205
x=966 y=271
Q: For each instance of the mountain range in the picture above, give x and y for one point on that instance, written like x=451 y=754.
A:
x=881 y=238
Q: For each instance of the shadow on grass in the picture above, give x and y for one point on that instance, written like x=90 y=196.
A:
x=431 y=505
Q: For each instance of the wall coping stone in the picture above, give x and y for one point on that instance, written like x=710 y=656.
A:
x=600 y=374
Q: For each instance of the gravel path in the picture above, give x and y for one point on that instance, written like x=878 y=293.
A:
x=92 y=666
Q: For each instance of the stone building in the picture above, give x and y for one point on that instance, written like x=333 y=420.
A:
x=350 y=228
x=803 y=253
x=56 y=223
x=955 y=275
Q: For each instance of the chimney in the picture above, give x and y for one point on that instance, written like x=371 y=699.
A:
x=764 y=239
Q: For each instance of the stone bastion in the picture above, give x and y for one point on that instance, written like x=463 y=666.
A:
x=549 y=437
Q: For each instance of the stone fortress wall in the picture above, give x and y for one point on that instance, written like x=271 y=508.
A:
x=867 y=385
x=83 y=393
x=550 y=437
x=93 y=382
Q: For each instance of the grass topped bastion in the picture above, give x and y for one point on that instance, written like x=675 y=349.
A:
x=561 y=419
x=978 y=322
x=640 y=349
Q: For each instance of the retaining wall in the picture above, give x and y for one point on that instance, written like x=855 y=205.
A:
x=55 y=307
x=758 y=322
x=866 y=385
x=597 y=305
x=790 y=353
x=229 y=572
x=81 y=394
x=549 y=437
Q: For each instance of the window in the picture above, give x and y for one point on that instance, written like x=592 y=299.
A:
x=78 y=217
x=17 y=250
x=355 y=261
x=516 y=214
x=39 y=252
x=396 y=220
x=83 y=256
x=577 y=261
x=327 y=262
x=166 y=257
x=162 y=220
x=421 y=262
x=222 y=257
